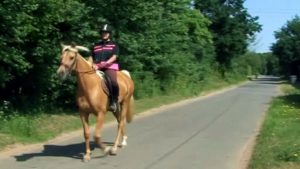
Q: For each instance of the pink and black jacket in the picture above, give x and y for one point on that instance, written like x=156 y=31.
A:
x=104 y=50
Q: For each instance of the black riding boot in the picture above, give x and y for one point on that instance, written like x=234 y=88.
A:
x=113 y=95
x=114 y=105
x=111 y=76
x=110 y=95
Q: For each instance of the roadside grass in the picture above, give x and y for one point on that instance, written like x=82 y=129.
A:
x=278 y=144
x=41 y=126
x=35 y=128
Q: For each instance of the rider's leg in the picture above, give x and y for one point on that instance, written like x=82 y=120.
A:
x=112 y=74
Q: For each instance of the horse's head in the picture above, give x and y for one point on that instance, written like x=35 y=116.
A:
x=68 y=60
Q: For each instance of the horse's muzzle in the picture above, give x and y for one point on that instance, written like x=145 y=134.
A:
x=62 y=72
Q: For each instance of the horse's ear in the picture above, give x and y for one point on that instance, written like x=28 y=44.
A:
x=90 y=59
x=73 y=44
x=62 y=45
x=65 y=47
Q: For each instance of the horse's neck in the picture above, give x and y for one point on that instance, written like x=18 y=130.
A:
x=83 y=65
x=85 y=73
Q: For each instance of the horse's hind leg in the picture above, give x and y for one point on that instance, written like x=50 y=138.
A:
x=123 y=134
x=124 y=137
x=128 y=118
x=86 y=131
x=120 y=132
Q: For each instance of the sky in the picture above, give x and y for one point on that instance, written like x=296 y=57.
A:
x=273 y=15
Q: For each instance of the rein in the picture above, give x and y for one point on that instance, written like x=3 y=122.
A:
x=88 y=71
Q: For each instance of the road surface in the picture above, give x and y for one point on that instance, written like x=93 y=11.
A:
x=211 y=132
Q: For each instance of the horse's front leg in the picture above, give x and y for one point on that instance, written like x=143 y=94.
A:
x=98 y=131
x=86 y=131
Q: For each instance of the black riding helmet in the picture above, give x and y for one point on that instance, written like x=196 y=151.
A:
x=106 y=28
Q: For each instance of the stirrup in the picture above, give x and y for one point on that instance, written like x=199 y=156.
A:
x=114 y=107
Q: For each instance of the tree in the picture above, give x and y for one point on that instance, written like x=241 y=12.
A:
x=287 y=47
x=160 y=41
x=31 y=33
x=232 y=27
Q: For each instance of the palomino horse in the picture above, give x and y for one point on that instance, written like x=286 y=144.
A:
x=92 y=99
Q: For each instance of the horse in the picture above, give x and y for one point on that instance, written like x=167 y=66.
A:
x=91 y=97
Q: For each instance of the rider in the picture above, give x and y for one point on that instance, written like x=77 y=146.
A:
x=105 y=53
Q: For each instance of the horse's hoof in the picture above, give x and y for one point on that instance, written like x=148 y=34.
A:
x=86 y=159
x=123 y=144
x=124 y=141
x=106 y=151
x=113 y=152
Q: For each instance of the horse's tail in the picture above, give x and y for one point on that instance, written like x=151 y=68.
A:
x=126 y=73
x=129 y=113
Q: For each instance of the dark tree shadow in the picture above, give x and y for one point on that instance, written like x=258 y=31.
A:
x=270 y=80
x=297 y=85
x=292 y=100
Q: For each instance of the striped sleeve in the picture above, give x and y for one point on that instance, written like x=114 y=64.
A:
x=116 y=50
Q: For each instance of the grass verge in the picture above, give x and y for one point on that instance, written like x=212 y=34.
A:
x=278 y=144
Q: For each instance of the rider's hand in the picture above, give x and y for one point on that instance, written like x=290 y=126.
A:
x=102 y=65
x=95 y=66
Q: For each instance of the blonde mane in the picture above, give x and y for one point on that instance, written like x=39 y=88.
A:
x=76 y=49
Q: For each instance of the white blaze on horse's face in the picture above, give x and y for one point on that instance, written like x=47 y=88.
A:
x=67 y=64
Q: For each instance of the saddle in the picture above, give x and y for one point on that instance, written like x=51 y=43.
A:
x=105 y=87
x=104 y=82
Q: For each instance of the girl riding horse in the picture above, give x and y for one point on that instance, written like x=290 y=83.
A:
x=91 y=98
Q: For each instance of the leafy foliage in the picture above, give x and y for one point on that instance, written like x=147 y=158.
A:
x=31 y=32
x=232 y=28
x=287 y=47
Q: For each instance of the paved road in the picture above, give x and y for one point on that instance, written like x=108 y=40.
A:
x=206 y=133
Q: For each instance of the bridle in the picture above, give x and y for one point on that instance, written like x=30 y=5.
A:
x=76 y=69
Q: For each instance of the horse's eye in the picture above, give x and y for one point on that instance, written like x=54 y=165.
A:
x=71 y=58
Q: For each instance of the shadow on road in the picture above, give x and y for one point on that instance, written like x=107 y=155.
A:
x=290 y=99
x=75 y=151
x=269 y=80
x=72 y=151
